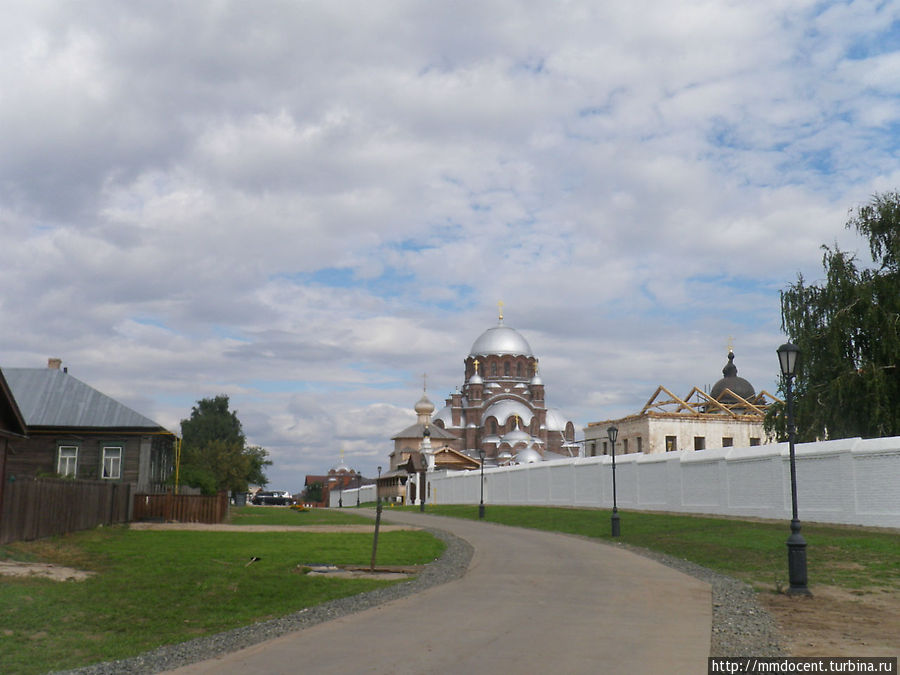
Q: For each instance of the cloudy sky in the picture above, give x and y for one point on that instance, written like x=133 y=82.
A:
x=308 y=205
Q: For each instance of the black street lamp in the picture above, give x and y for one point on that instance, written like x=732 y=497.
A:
x=788 y=355
x=481 y=503
x=357 y=488
x=378 y=487
x=613 y=433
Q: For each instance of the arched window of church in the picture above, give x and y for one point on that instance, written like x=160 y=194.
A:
x=506 y=368
x=493 y=426
x=494 y=368
x=519 y=369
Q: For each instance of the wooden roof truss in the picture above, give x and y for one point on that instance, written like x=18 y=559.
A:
x=698 y=402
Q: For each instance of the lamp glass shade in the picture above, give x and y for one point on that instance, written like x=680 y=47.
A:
x=481 y=454
x=787 y=359
x=612 y=433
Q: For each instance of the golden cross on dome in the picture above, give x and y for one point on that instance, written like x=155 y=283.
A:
x=535 y=366
x=424 y=381
x=500 y=309
x=476 y=362
x=731 y=344
x=342 y=455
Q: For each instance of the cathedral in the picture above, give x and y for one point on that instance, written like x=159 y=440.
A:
x=500 y=410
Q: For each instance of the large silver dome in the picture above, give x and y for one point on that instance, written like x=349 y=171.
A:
x=500 y=340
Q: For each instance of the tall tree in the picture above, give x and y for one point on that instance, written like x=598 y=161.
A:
x=848 y=330
x=215 y=455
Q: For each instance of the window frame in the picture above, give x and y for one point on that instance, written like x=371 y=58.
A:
x=74 y=460
x=103 y=457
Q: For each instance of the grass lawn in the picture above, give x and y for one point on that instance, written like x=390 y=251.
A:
x=854 y=558
x=159 y=587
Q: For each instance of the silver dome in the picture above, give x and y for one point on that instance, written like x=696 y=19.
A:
x=555 y=420
x=528 y=456
x=506 y=408
x=500 y=340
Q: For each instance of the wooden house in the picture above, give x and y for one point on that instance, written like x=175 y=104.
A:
x=76 y=431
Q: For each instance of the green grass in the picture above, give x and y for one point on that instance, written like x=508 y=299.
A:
x=853 y=558
x=160 y=587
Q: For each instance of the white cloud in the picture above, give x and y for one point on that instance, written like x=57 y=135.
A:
x=306 y=206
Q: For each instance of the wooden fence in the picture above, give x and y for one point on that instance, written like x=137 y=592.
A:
x=181 y=508
x=43 y=507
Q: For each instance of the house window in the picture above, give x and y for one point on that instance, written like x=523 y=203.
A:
x=699 y=443
x=625 y=446
x=727 y=442
x=112 y=462
x=671 y=444
x=754 y=440
x=593 y=449
x=68 y=460
x=640 y=444
x=604 y=447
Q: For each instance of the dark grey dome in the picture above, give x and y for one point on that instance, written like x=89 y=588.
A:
x=731 y=381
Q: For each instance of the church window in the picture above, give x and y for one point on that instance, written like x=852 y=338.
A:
x=671 y=444
x=506 y=368
x=519 y=370
x=494 y=368
x=493 y=426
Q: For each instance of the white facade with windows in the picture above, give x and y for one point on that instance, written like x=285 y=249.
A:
x=730 y=415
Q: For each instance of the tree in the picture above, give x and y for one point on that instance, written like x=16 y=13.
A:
x=848 y=330
x=215 y=455
x=313 y=493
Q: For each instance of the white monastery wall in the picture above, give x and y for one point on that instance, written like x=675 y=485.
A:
x=850 y=481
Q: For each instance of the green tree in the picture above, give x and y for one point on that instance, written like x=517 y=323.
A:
x=313 y=492
x=848 y=330
x=215 y=455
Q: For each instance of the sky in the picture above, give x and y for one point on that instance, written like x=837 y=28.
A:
x=309 y=205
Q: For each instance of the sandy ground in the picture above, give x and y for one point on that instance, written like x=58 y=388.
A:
x=833 y=622
x=836 y=622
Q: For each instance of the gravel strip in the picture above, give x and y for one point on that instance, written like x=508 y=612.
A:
x=740 y=627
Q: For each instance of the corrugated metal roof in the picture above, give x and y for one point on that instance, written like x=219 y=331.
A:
x=49 y=397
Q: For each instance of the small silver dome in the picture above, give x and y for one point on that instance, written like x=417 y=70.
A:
x=528 y=456
x=424 y=406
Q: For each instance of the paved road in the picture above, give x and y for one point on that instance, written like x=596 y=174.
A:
x=531 y=602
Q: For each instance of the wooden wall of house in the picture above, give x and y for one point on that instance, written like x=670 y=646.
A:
x=37 y=456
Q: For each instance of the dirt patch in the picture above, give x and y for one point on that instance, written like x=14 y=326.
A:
x=46 y=570
x=352 y=572
x=837 y=622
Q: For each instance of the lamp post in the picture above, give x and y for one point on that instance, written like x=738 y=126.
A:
x=481 y=503
x=357 y=488
x=378 y=487
x=612 y=433
x=788 y=355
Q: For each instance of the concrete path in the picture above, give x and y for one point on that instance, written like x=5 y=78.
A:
x=531 y=602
